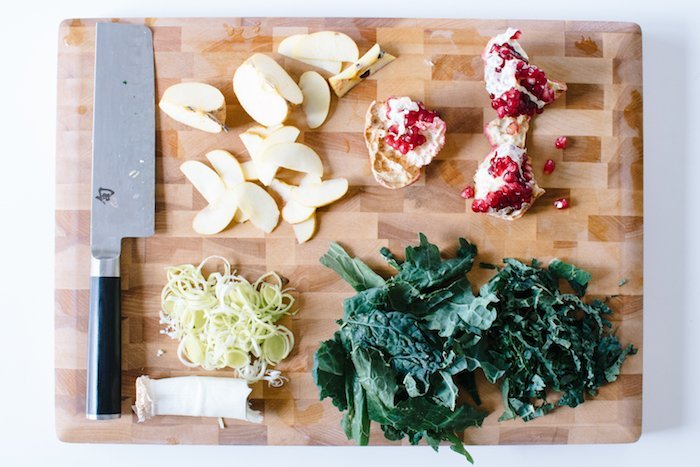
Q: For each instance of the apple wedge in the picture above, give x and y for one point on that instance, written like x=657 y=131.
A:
x=204 y=180
x=258 y=206
x=286 y=48
x=258 y=96
x=317 y=98
x=198 y=105
x=215 y=217
x=318 y=195
x=264 y=171
x=325 y=45
x=226 y=166
x=252 y=142
x=371 y=62
x=292 y=212
x=303 y=231
x=292 y=156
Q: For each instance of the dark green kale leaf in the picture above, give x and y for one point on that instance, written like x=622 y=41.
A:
x=577 y=278
x=329 y=371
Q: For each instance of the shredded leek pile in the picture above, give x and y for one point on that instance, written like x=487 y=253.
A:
x=225 y=321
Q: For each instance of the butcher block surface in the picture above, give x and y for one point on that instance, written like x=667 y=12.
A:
x=439 y=62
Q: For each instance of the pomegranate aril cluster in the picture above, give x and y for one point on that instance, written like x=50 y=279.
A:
x=412 y=138
x=517 y=190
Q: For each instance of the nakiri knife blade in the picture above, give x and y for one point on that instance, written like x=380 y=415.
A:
x=123 y=194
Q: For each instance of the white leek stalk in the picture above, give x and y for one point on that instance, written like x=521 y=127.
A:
x=194 y=396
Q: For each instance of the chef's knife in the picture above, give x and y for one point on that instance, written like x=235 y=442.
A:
x=123 y=194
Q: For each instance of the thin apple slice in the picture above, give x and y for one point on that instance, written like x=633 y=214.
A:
x=286 y=48
x=258 y=97
x=303 y=231
x=226 y=166
x=322 y=194
x=326 y=45
x=198 y=105
x=215 y=217
x=249 y=171
x=277 y=77
x=265 y=171
x=252 y=142
x=370 y=63
x=204 y=180
x=292 y=212
x=317 y=98
x=292 y=156
x=258 y=206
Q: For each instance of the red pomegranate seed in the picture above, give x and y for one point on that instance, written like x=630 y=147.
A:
x=468 y=192
x=561 y=142
x=549 y=166
x=561 y=203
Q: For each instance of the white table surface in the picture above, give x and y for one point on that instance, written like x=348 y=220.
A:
x=671 y=429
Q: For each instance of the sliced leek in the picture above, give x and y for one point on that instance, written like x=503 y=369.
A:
x=225 y=321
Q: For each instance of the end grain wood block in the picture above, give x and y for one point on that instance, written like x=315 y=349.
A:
x=438 y=63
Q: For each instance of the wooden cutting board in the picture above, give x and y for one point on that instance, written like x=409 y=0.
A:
x=600 y=173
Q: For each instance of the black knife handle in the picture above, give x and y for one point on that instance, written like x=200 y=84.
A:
x=103 y=395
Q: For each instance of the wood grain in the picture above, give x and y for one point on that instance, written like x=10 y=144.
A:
x=600 y=172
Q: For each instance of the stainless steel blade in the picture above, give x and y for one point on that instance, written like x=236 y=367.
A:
x=123 y=138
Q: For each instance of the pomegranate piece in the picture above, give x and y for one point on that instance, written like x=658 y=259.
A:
x=514 y=85
x=549 y=166
x=561 y=142
x=468 y=192
x=511 y=173
x=561 y=203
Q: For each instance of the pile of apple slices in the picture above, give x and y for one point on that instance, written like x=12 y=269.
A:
x=272 y=149
x=229 y=195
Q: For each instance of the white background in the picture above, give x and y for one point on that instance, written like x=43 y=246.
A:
x=671 y=433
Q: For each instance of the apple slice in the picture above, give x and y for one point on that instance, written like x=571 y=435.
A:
x=265 y=171
x=198 y=105
x=317 y=98
x=292 y=212
x=227 y=167
x=215 y=217
x=257 y=205
x=252 y=142
x=277 y=77
x=370 y=63
x=318 y=195
x=303 y=231
x=286 y=48
x=292 y=156
x=258 y=97
x=326 y=45
x=204 y=180
x=249 y=171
